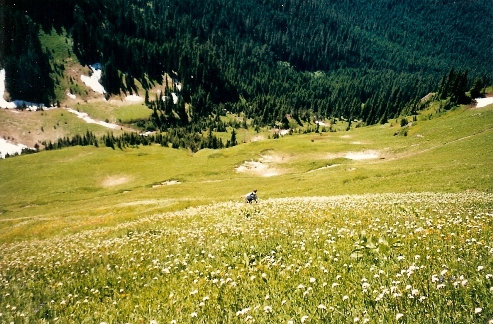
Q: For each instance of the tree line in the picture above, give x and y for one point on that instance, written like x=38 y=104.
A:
x=175 y=138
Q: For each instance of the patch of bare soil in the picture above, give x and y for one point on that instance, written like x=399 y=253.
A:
x=112 y=181
x=266 y=166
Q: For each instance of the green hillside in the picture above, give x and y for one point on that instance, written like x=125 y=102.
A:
x=354 y=120
x=361 y=226
x=62 y=191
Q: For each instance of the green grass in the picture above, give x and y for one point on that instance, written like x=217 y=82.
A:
x=59 y=46
x=447 y=154
x=99 y=235
x=115 y=111
x=35 y=127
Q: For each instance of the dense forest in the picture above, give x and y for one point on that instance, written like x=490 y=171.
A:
x=368 y=60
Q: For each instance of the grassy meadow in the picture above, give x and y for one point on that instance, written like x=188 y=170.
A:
x=364 y=226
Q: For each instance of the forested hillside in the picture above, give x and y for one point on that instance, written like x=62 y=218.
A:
x=267 y=58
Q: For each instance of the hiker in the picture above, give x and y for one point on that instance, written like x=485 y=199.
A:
x=251 y=197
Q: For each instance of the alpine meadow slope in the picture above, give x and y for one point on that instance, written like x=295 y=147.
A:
x=160 y=235
x=61 y=191
x=366 y=128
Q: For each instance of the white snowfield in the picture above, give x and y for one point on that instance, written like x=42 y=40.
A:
x=134 y=98
x=483 y=102
x=93 y=81
x=3 y=102
x=84 y=116
x=10 y=148
x=174 y=96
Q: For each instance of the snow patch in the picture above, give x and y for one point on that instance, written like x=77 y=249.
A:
x=89 y=120
x=93 y=80
x=134 y=98
x=480 y=102
x=175 y=98
x=148 y=133
x=167 y=183
x=10 y=148
x=71 y=96
x=3 y=102
x=30 y=105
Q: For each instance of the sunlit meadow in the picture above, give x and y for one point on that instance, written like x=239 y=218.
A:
x=383 y=258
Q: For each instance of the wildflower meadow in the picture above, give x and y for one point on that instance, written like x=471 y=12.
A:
x=377 y=258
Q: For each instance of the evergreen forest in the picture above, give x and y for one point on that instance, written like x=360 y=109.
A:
x=267 y=59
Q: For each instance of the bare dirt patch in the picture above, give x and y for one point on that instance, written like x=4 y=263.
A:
x=257 y=138
x=112 y=181
x=258 y=169
x=356 y=155
x=364 y=155
x=265 y=166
